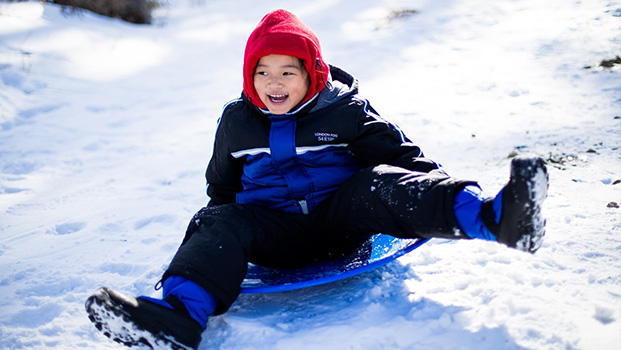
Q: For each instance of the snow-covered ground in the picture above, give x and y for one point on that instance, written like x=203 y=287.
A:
x=106 y=129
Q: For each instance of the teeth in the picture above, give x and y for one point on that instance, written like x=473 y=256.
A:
x=278 y=98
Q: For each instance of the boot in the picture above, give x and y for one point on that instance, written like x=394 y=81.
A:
x=520 y=224
x=139 y=322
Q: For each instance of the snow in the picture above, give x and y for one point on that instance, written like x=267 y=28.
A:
x=106 y=129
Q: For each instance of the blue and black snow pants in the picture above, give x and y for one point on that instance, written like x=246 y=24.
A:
x=221 y=240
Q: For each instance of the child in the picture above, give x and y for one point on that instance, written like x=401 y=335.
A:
x=303 y=169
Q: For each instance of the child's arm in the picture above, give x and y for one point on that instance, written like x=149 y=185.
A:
x=223 y=172
x=380 y=142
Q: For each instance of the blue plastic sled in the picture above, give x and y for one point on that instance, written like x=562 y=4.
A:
x=379 y=250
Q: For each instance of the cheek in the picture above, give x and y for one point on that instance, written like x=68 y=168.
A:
x=302 y=85
x=257 y=86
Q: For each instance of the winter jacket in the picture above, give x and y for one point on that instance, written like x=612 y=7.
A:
x=292 y=162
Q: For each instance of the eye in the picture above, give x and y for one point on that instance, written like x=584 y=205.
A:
x=262 y=73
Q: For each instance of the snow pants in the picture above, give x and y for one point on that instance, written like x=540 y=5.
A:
x=221 y=240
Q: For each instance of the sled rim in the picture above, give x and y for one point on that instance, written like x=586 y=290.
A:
x=247 y=288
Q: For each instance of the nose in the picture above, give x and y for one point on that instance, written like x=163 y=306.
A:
x=274 y=82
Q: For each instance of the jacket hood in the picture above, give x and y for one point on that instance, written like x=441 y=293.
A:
x=340 y=85
x=280 y=32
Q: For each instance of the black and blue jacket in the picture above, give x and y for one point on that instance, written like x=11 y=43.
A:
x=294 y=161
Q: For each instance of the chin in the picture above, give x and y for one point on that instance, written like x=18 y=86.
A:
x=278 y=110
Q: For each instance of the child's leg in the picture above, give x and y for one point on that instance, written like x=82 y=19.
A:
x=220 y=242
x=408 y=204
x=205 y=275
x=395 y=201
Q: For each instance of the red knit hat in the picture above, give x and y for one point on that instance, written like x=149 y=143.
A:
x=280 y=32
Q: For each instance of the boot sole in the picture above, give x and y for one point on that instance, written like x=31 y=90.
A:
x=532 y=224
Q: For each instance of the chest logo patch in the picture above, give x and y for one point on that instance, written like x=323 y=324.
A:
x=326 y=136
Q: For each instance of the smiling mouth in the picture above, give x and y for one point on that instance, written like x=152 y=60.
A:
x=278 y=98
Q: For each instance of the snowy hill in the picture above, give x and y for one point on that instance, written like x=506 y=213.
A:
x=106 y=129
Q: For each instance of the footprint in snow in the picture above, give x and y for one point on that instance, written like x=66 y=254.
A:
x=11 y=190
x=67 y=228
x=162 y=219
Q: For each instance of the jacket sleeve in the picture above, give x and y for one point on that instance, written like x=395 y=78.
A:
x=380 y=142
x=224 y=171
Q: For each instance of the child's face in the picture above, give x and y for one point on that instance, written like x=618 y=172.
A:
x=281 y=82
